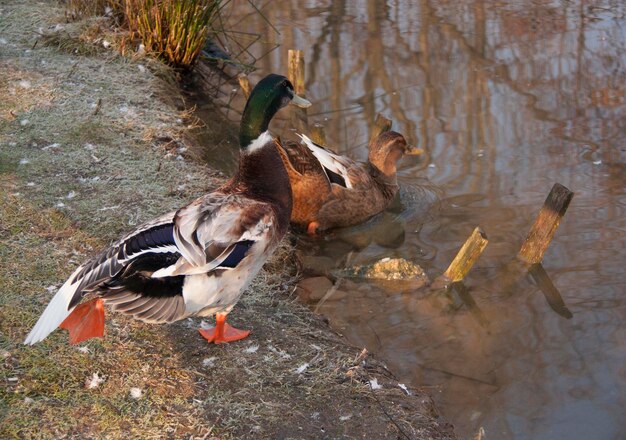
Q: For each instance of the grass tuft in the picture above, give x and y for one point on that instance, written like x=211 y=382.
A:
x=173 y=30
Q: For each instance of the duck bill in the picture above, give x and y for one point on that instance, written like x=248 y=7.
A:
x=300 y=101
x=413 y=151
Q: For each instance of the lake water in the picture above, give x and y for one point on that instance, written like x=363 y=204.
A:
x=506 y=98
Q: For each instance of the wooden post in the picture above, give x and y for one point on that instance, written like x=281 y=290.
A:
x=382 y=124
x=464 y=260
x=295 y=73
x=467 y=256
x=318 y=135
x=244 y=83
x=545 y=225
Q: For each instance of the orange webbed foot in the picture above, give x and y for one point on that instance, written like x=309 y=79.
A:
x=86 y=321
x=223 y=332
x=230 y=334
x=312 y=228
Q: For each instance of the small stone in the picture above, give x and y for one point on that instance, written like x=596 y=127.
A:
x=317 y=265
x=313 y=289
x=136 y=393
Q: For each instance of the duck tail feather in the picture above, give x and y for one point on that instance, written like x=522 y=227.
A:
x=55 y=313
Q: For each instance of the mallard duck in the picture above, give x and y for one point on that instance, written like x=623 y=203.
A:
x=198 y=260
x=331 y=191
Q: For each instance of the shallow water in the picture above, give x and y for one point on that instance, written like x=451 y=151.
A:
x=506 y=98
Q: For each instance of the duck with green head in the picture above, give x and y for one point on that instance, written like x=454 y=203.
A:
x=196 y=261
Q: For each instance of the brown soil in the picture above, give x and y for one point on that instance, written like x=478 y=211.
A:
x=92 y=143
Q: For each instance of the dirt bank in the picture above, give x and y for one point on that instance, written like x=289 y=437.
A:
x=91 y=144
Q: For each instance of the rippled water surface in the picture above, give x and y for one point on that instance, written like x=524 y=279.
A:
x=506 y=98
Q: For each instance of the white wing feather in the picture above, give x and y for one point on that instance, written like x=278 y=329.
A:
x=333 y=162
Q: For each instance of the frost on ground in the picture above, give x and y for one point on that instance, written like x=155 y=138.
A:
x=375 y=385
x=94 y=381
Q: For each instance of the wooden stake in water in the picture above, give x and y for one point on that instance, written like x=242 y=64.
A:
x=545 y=225
x=295 y=73
x=381 y=125
x=467 y=256
x=318 y=135
x=244 y=83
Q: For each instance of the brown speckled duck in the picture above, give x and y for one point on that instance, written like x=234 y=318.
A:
x=331 y=191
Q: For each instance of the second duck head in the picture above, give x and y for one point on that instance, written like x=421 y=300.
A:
x=387 y=149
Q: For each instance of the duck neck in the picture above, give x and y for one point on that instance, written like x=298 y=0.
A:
x=262 y=173
x=388 y=184
x=256 y=118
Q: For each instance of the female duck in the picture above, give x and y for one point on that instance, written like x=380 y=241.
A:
x=331 y=191
x=198 y=260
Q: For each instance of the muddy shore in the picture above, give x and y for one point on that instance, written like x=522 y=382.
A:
x=92 y=144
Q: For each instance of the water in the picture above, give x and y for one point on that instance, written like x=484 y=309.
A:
x=506 y=98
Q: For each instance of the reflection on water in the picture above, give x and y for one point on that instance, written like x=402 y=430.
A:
x=507 y=98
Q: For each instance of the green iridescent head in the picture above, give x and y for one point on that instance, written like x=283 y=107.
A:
x=270 y=94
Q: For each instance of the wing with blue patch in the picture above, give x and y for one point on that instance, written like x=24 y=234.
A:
x=237 y=253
